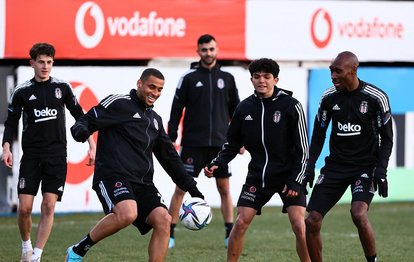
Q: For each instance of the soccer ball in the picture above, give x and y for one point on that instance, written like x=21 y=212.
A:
x=195 y=213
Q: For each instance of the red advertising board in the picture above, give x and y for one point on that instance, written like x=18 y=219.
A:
x=124 y=29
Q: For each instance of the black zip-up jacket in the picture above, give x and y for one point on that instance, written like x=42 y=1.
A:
x=361 y=129
x=129 y=133
x=209 y=97
x=43 y=107
x=273 y=130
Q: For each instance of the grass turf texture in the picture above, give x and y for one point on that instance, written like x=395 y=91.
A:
x=269 y=238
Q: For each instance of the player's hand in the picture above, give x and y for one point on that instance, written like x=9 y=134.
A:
x=381 y=183
x=209 y=170
x=309 y=176
x=290 y=192
x=91 y=152
x=194 y=192
x=7 y=158
x=80 y=132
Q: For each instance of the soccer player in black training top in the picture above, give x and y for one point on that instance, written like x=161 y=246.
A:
x=360 y=146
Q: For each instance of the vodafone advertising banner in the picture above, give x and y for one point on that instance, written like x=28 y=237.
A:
x=2 y=26
x=318 y=30
x=123 y=29
x=92 y=84
x=245 y=29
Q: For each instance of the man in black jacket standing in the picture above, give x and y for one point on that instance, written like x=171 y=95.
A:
x=129 y=133
x=271 y=125
x=360 y=146
x=208 y=97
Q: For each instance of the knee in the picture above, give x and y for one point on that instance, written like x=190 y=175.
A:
x=25 y=211
x=48 y=208
x=298 y=227
x=241 y=225
x=313 y=223
x=165 y=219
x=163 y=222
x=358 y=216
x=223 y=190
x=126 y=218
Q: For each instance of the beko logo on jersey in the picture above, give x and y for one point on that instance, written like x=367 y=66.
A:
x=349 y=129
x=45 y=114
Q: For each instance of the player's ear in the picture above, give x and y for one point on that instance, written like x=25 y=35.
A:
x=139 y=83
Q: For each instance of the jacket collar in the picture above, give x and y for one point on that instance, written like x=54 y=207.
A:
x=197 y=65
x=277 y=92
x=134 y=96
x=43 y=82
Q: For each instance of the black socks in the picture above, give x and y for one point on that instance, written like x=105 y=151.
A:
x=83 y=246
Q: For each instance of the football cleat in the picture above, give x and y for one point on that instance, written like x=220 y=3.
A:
x=72 y=256
x=26 y=256
x=171 y=243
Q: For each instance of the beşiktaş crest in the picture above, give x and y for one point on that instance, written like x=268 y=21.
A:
x=363 y=107
x=58 y=93
x=276 y=116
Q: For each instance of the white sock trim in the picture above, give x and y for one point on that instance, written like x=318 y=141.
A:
x=26 y=245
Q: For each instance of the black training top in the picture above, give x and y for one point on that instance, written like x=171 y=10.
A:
x=209 y=97
x=361 y=128
x=129 y=133
x=43 y=107
x=273 y=130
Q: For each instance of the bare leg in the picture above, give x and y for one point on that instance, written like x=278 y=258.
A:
x=123 y=214
x=297 y=220
x=359 y=212
x=223 y=187
x=46 y=219
x=176 y=201
x=313 y=235
x=24 y=218
x=237 y=235
x=160 y=220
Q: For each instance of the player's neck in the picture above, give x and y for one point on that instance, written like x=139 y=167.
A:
x=210 y=66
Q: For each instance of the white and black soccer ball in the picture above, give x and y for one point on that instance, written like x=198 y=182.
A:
x=195 y=213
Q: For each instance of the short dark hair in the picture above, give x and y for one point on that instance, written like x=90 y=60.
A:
x=151 y=72
x=42 y=49
x=264 y=65
x=206 y=38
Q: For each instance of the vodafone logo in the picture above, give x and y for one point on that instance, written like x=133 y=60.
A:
x=135 y=25
x=92 y=9
x=369 y=27
x=321 y=28
x=79 y=171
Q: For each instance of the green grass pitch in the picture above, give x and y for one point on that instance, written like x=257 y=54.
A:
x=269 y=238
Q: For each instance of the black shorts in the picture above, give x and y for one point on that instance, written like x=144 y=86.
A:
x=49 y=171
x=196 y=158
x=330 y=187
x=257 y=197
x=114 y=190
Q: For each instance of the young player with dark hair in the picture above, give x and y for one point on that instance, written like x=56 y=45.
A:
x=271 y=125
